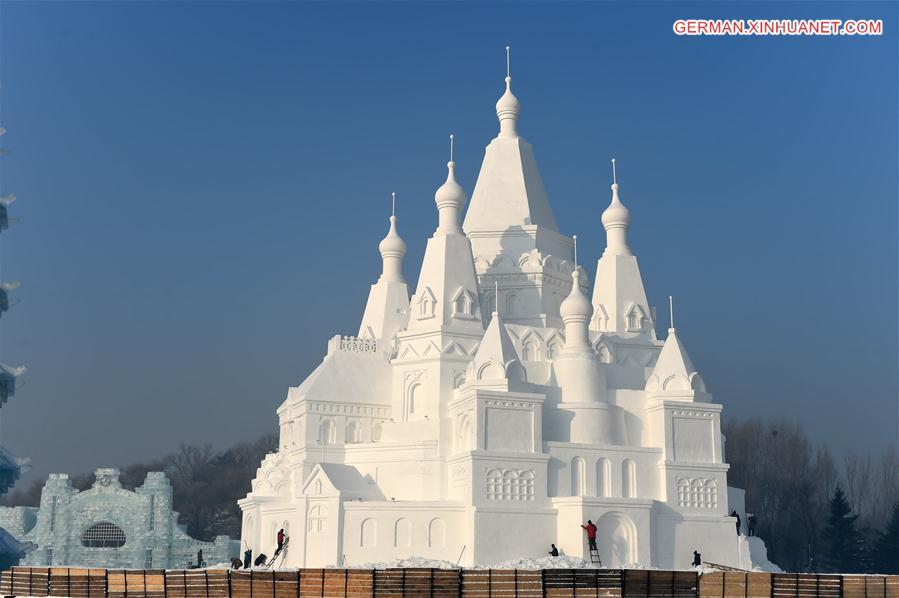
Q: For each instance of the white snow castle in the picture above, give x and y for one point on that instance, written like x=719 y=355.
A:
x=500 y=408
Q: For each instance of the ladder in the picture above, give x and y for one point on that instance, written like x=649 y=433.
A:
x=594 y=557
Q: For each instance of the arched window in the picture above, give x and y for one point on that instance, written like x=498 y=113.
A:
x=376 y=432
x=103 y=535
x=437 y=534
x=326 y=433
x=683 y=492
x=578 y=477
x=317 y=519
x=529 y=351
x=711 y=494
x=494 y=484
x=697 y=494
x=552 y=349
x=603 y=477
x=352 y=432
x=368 y=534
x=512 y=304
x=628 y=479
x=402 y=533
x=317 y=487
x=413 y=401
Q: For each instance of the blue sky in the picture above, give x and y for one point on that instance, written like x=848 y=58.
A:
x=202 y=187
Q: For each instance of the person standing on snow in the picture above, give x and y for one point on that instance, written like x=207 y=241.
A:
x=737 y=515
x=697 y=558
x=591 y=534
x=553 y=550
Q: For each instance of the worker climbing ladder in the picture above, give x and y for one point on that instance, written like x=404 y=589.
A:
x=282 y=552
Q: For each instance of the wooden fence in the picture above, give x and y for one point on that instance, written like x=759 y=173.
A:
x=420 y=583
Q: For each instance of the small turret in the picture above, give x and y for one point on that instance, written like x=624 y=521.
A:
x=616 y=220
x=674 y=372
x=387 y=309
x=392 y=249
x=576 y=312
x=450 y=199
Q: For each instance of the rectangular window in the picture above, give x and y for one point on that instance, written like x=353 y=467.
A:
x=49 y=555
x=152 y=512
x=148 y=561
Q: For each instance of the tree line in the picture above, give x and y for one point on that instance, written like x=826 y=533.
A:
x=814 y=513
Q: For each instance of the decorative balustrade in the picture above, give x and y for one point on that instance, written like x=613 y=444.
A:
x=352 y=344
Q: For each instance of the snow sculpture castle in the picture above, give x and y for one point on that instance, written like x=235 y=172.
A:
x=500 y=408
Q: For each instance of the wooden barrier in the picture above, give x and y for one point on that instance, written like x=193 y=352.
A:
x=439 y=583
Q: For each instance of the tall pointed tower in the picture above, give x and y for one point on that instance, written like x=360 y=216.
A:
x=619 y=299
x=512 y=228
x=444 y=329
x=387 y=310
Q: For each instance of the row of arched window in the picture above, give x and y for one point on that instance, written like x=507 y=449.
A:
x=510 y=484
x=402 y=533
x=698 y=493
x=353 y=432
x=604 y=479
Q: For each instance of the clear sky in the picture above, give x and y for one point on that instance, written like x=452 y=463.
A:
x=202 y=187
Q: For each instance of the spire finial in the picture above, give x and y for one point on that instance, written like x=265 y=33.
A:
x=614 y=174
x=671 y=312
x=393 y=204
x=496 y=293
x=508 y=62
x=452 y=144
x=575 y=251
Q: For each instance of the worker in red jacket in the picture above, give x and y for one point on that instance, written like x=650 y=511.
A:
x=591 y=534
x=280 y=540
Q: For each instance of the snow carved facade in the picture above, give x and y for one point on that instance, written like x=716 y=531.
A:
x=498 y=408
x=110 y=526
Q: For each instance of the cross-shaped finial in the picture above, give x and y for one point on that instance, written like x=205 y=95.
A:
x=614 y=174
x=508 y=62
x=575 y=251
x=393 y=204
x=452 y=138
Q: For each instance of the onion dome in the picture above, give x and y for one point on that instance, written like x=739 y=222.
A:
x=616 y=215
x=392 y=245
x=450 y=199
x=576 y=307
x=507 y=110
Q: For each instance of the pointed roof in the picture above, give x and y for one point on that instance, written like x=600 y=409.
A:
x=496 y=360
x=674 y=371
x=509 y=191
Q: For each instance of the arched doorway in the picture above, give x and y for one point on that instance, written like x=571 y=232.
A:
x=616 y=537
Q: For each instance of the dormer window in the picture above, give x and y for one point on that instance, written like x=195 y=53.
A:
x=463 y=304
x=634 y=319
x=427 y=304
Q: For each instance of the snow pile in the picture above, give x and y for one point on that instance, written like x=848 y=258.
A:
x=548 y=562
x=412 y=562
x=759 y=554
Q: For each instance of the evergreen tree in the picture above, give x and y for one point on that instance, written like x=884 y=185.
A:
x=885 y=555
x=844 y=544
